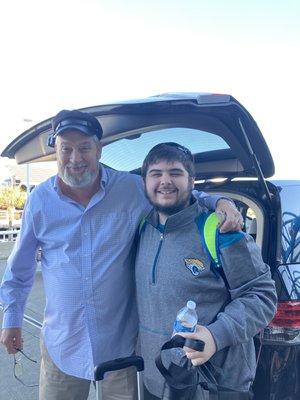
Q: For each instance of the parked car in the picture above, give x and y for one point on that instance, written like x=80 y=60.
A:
x=227 y=144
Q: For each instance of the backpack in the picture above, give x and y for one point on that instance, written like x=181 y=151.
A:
x=210 y=234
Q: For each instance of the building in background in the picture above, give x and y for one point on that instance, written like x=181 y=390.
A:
x=14 y=180
x=13 y=174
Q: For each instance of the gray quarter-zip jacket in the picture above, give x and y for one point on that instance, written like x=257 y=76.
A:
x=173 y=267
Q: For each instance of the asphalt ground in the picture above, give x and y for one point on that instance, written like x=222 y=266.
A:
x=10 y=388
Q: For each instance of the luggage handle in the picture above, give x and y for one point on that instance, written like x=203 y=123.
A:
x=117 y=364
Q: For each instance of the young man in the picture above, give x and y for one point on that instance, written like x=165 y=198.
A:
x=84 y=219
x=231 y=310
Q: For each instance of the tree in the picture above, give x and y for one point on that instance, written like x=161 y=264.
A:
x=12 y=198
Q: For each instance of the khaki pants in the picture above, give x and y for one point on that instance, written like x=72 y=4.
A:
x=56 y=385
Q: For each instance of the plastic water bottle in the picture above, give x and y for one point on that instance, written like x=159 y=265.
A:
x=186 y=321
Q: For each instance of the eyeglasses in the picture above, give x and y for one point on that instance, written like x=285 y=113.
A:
x=177 y=146
x=18 y=367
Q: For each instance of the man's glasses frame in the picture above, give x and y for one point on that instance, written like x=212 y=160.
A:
x=18 y=365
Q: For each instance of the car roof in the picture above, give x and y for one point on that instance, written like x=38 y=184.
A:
x=220 y=115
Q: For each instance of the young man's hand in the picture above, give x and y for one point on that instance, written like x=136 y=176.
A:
x=11 y=338
x=229 y=216
x=200 y=357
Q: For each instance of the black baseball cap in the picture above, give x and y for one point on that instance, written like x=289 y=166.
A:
x=74 y=119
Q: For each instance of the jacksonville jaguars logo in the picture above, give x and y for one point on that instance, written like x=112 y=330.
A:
x=194 y=265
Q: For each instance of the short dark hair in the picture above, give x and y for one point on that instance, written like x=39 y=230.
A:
x=169 y=151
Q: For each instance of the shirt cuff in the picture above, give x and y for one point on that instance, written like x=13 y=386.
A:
x=12 y=320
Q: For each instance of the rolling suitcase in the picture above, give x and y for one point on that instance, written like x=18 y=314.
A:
x=115 y=365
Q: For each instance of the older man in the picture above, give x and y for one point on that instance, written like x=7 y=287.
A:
x=84 y=219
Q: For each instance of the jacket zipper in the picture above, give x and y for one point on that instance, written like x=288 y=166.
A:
x=156 y=257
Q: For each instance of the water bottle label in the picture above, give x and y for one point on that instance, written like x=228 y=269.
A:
x=178 y=327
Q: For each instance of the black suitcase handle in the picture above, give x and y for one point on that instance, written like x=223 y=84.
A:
x=180 y=341
x=118 y=363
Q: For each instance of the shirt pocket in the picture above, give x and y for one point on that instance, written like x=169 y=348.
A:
x=113 y=231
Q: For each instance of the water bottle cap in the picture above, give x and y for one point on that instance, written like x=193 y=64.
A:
x=191 y=305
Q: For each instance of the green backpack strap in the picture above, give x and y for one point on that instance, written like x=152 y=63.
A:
x=141 y=226
x=210 y=235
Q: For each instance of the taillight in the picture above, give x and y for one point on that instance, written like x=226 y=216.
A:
x=287 y=315
x=285 y=326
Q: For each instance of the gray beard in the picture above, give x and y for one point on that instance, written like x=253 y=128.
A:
x=77 y=181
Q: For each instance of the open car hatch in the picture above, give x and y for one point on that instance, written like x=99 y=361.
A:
x=222 y=135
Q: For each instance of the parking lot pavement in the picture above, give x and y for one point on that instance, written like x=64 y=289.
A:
x=10 y=388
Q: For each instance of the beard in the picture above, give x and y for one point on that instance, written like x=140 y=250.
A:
x=172 y=209
x=77 y=181
x=182 y=202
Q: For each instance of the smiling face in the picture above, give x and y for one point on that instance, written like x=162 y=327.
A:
x=77 y=158
x=168 y=186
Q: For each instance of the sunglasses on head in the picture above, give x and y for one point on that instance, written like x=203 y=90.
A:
x=174 y=145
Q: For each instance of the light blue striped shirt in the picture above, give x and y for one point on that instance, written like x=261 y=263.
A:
x=87 y=266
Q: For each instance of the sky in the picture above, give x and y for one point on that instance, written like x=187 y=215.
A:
x=78 y=53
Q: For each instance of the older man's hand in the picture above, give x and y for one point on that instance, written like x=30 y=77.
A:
x=11 y=338
x=229 y=216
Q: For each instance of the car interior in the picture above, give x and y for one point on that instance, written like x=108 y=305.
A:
x=251 y=213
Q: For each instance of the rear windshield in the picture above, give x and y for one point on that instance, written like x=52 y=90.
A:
x=128 y=154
